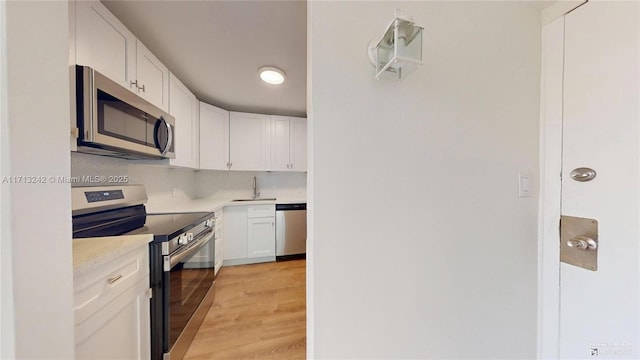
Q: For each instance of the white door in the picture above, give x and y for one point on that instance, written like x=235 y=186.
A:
x=599 y=310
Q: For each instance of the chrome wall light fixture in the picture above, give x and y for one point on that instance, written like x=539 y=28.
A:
x=399 y=51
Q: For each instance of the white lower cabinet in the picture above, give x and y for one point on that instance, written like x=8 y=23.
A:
x=219 y=241
x=235 y=234
x=249 y=234
x=261 y=239
x=111 y=309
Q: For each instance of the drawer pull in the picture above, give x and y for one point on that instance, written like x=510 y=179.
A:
x=114 y=279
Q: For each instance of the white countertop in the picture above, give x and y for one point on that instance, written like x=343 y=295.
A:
x=90 y=253
x=210 y=205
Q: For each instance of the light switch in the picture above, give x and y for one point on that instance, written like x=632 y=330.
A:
x=524 y=185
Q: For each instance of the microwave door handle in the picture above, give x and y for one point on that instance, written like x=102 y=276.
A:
x=167 y=146
x=87 y=106
x=169 y=136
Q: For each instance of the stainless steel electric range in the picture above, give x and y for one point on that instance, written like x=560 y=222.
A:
x=181 y=290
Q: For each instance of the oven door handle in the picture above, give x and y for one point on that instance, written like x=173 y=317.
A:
x=172 y=260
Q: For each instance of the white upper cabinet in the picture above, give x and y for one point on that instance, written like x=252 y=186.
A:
x=288 y=143
x=298 y=144
x=105 y=44
x=185 y=108
x=152 y=78
x=280 y=133
x=214 y=138
x=249 y=141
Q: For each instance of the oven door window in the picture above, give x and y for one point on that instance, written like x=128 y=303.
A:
x=187 y=289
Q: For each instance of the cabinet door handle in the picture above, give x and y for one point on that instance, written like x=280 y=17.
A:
x=114 y=279
x=141 y=88
x=133 y=83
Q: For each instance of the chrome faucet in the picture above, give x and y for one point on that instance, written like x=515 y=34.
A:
x=256 y=193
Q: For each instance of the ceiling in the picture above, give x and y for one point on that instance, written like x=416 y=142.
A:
x=217 y=47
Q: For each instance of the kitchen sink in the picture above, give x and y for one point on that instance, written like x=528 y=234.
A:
x=260 y=199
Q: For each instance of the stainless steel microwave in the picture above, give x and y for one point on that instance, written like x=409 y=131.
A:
x=113 y=121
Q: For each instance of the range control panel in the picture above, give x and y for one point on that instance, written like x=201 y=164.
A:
x=96 y=196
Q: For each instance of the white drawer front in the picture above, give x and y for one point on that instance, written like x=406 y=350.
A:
x=98 y=287
x=255 y=211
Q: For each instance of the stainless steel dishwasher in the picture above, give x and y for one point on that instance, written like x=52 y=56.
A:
x=291 y=231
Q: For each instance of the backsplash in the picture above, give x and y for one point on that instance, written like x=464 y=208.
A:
x=163 y=184
x=225 y=185
x=166 y=185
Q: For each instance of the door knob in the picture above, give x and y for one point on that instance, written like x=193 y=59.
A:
x=582 y=243
x=583 y=174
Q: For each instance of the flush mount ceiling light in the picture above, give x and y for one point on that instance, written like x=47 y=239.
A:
x=272 y=75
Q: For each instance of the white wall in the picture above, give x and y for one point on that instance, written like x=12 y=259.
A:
x=38 y=126
x=421 y=247
x=7 y=325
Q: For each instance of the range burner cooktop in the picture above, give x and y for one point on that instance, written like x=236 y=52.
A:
x=167 y=226
x=118 y=210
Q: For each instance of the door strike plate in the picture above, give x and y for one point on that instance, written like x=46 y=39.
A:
x=579 y=242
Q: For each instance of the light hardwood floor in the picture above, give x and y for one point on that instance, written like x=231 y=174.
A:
x=259 y=312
